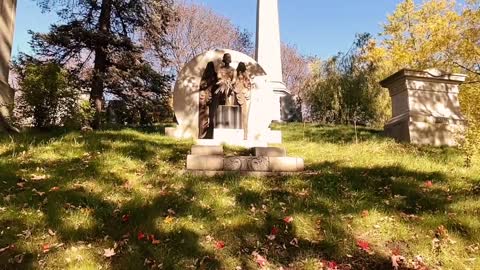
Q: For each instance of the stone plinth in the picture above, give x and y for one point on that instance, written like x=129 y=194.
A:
x=245 y=163
x=269 y=152
x=425 y=107
x=228 y=117
x=207 y=160
x=206 y=150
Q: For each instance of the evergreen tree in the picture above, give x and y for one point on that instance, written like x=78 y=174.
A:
x=103 y=42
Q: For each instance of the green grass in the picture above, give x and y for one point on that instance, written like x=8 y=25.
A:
x=70 y=190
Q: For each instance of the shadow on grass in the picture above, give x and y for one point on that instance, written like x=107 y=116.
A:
x=328 y=194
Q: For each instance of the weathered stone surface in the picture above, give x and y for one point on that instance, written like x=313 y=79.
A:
x=207 y=150
x=425 y=107
x=244 y=163
x=269 y=152
x=286 y=164
x=205 y=163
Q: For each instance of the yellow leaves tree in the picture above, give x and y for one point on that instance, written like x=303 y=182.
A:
x=443 y=34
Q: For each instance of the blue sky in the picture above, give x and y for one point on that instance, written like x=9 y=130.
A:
x=317 y=27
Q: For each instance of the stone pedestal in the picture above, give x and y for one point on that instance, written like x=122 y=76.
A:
x=425 y=105
x=228 y=117
x=209 y=160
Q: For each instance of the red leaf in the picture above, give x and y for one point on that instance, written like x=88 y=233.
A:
x=365 y=213
x=220 y=245
x=141 y=236
x=261 y=261
x=288 y=219
x=364 y=245
x=45 y=248
x=275 y=231
x=428 y=184
x=331 y=265
x=125 y=218
x=150 y=237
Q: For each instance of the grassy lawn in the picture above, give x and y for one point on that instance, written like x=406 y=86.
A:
x=118 y=199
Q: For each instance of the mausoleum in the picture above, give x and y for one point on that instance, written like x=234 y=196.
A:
x=425 y=107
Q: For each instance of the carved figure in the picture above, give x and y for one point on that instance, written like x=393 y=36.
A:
x=226 y=79
x=242 y=91
x=207 y=101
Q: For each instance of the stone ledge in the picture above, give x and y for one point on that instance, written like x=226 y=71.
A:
x=239 y=173
x=207 y=150
x=269 y=152
x=245 y=164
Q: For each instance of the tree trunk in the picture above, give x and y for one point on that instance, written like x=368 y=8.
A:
x=100 y=65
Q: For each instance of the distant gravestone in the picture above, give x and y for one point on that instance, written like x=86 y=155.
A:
x=425 y=107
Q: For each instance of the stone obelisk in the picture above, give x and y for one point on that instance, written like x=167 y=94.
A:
x=7 y=23
x=268 y=50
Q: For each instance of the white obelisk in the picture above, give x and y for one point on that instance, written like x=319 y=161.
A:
x=268 y=50
x=7 y=22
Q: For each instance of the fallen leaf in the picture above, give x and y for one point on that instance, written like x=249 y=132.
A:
x=330 y=265
x=19 y=258
x=55 y=189
x=288 y=219
x=397 y=261
x=365 y=213
x=260 y=260
x=294 y=242
x=169 y=219
x=364 y=245
x=275 y=231
x=140 y=236
x=125 y=218
x=428 y=184
x=220 y=245
x=171 y=212
x=52 y=233
x=6 y=248
x=109 y=252
x=271 y=237
x=155 y=242
x=36 y=177
x=45 y=248
x=21 y=184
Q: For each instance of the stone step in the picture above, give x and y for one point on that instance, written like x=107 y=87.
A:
x=244 y=163
x=207 y=150
x=269 y=152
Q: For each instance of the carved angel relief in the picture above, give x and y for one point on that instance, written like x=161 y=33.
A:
x=225 y=86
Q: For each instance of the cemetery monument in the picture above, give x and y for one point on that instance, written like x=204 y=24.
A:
x=425 y=107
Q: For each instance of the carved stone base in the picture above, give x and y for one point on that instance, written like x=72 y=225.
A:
x=266 y=160
x=244 y=163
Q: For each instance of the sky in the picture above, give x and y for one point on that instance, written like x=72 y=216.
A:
x=316 y=27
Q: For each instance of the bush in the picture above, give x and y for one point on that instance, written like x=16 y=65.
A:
x=470 y=104
x=44 y=95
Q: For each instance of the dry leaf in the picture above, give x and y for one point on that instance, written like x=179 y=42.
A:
x=6 y=248
x=36 y=177
x=109 y=252
x=288 y=219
